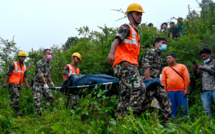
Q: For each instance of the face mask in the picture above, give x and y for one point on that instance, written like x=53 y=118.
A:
x=163 y=47
x=207 y=60
x=49 y=57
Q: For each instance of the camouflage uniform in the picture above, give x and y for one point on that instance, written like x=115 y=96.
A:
x=15 y=88
x=43 y=68
x=132 y=88
x=153 y=59
x=72 y=100
x=124 y=31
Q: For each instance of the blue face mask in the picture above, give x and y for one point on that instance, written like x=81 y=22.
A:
x=163 y=47
x=207 y=60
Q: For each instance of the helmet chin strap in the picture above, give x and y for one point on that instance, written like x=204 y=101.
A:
x=19 y=59
x=75 y=61
x=134 y=19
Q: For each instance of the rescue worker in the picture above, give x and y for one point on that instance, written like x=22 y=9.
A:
x=151 y=68
x=73 y=67
x=123 y=57
x=69 y=69
x=16 y=75
x=40 y=82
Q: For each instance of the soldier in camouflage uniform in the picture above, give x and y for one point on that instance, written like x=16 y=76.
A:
x=124 y=57
x=41 y=78
x=72 y=100
x=151 y=68
x=16 y=75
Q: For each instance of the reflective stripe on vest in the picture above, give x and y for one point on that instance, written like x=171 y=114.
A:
x=129 y=48
x=72 y=70
x=16 y=66
x=133 y=41
x=17 y=74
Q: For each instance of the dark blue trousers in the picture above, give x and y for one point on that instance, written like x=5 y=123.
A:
x=178 y=101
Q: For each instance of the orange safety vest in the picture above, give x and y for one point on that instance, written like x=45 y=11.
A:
x=129 y=49
x=72 y=70
x=17 y=74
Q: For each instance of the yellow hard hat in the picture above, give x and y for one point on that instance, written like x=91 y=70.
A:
x=22 y=53
x=77 y=55
x=135 y=7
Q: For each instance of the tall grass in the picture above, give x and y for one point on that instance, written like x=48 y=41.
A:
x=95 y=114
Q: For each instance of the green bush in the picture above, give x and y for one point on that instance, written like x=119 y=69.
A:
x=96 y=112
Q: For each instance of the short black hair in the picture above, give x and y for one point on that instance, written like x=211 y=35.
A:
x=180 y=19
x=172 y=23
x=172 y=54
x=157 y=40
x=150 y=24
x=44 y=52
x=164 y=24
x=205 y=50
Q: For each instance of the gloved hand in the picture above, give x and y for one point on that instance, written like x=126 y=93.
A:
x=52 y=84
x=45 y=86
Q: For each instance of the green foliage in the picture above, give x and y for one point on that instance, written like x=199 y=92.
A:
x=7 y=48
x=97 y=112
x=6 y=113
x=72 y=41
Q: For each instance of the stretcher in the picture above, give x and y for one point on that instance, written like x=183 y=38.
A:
x=84 y=84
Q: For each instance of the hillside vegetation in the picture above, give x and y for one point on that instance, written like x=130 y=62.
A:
x=96 y=110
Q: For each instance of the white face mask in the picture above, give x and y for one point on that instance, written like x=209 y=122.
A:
x=163 y=47
x=207 y=60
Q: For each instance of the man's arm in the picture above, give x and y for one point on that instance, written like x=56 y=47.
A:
x=65 y=72
x=186 y=78
x=211 y=71
x=147 y=61
x=40 y=73
x=171 y=37
x=121 y=34
x=25 y=80
x=196 y=72
x=65 y=77
x=111 y=56
x=26 y=83
x=186 y=91
x=6 y=80
x=164 y=78
x=147 y=73
x=9 y=72
x=43 y=79
x=50 y=80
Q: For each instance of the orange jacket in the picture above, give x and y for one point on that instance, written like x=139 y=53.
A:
x=72 y=70
x=18 y=74
x=129 y=49
x=172 y=81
